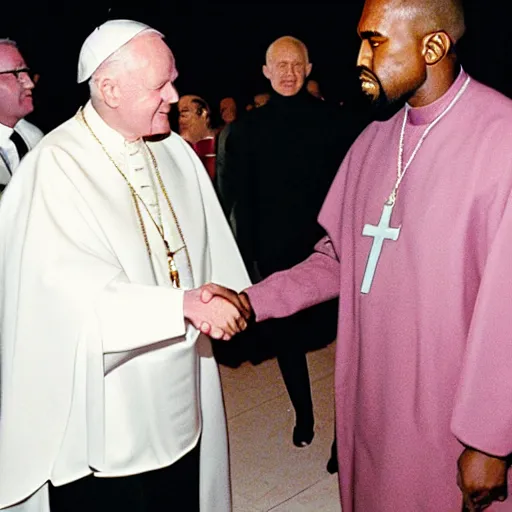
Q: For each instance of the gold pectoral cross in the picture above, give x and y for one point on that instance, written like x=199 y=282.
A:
x=173 y=269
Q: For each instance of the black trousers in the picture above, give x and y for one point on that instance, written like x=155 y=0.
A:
x=171 y=489
x=290 y=339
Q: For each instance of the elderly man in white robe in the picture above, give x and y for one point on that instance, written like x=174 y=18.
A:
x=111 y=399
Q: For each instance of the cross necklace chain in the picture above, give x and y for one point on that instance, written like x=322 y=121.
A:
x=383 y=231
x=173 y=269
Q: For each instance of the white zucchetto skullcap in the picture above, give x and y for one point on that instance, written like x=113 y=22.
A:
x=104 y=41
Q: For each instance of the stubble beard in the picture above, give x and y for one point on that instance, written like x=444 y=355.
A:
x=381 y=105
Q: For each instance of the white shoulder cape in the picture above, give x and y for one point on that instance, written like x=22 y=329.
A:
x=71 y=257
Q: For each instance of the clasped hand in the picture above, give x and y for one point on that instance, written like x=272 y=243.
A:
x=217 y=311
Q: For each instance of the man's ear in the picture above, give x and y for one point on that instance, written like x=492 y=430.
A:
x=435 y=47
x=266 y=71
x=309 y=67
x=110 y=92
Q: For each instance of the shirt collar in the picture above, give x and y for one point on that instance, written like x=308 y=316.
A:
x=5 y=133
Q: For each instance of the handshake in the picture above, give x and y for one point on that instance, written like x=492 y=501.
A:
x=217 y=311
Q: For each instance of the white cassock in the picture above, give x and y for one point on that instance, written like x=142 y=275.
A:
x=99 y=371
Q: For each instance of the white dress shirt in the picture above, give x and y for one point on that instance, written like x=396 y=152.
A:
x=9 y=158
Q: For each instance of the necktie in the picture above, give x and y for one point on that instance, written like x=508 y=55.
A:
x=21 y=145
x=5 y=160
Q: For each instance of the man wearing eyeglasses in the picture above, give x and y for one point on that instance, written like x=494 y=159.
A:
x=17 y=136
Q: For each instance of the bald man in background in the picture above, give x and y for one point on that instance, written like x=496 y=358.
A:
x=280 y=162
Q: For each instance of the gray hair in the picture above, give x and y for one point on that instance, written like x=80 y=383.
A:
x=8 y=42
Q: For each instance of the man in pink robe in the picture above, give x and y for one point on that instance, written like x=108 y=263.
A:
x=423 y=378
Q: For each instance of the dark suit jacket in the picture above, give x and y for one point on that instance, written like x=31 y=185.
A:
x=279 y=164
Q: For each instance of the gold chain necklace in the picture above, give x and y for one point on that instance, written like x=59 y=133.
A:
x=173 y=269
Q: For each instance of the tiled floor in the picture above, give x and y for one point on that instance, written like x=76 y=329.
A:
x=268 y=472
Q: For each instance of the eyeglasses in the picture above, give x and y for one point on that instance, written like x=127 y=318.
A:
x=18 y=73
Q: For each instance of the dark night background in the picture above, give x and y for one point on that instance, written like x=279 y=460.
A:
x=220 y=48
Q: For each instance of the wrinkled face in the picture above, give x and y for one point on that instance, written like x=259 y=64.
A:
x=193 y=124
x=287 y=68
x=15 y=91
x=147 y=91
x=227 y=109
x=261 y=99
x=391 y=64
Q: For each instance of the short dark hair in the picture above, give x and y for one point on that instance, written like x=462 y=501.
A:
x=438 y=15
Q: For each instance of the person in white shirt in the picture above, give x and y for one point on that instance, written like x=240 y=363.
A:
x=111 y=397
x=17 y=135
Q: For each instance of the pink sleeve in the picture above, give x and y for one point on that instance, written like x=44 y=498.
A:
x=311 y=282
x=482 y=416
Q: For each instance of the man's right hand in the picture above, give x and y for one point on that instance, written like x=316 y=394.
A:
x=240 y=300
x=221 y=317
x=482 y=478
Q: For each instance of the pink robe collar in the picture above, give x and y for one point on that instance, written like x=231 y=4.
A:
x=426 y=114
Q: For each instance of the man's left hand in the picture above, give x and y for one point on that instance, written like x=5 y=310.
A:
x=482 y=479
